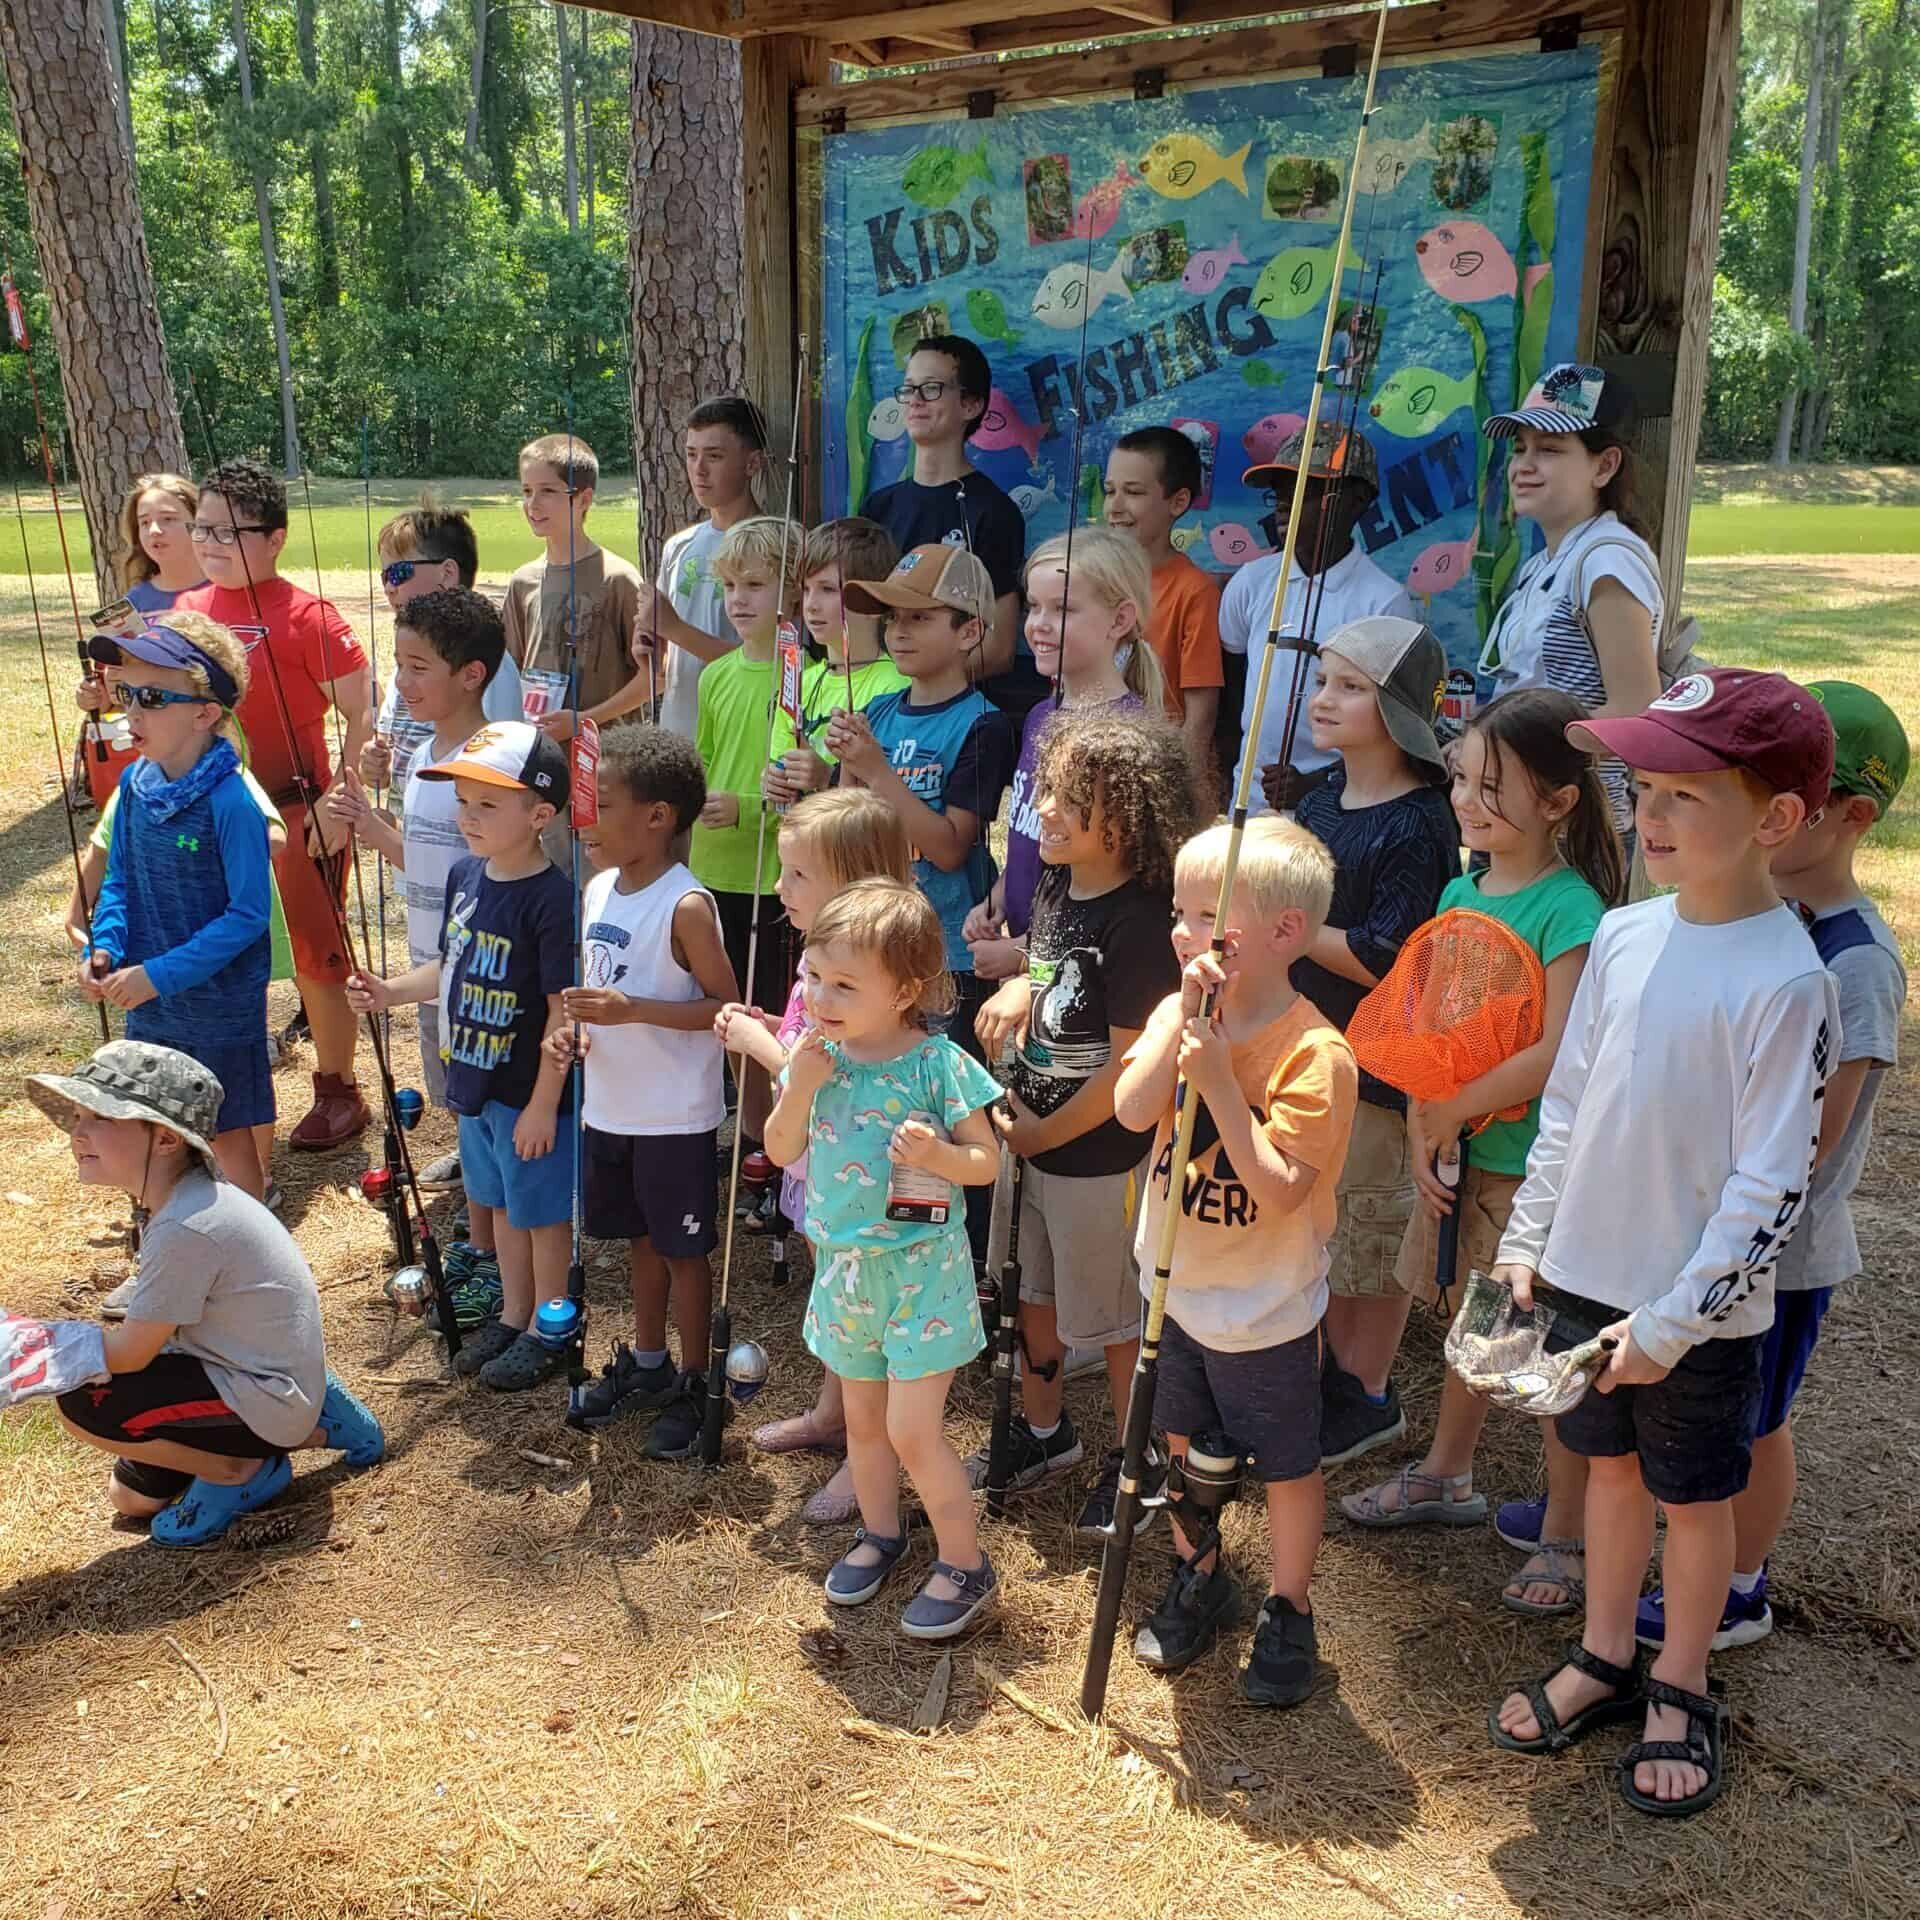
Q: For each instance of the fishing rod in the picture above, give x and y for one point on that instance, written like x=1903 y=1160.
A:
x=1128 y=1504
x=727 y=1369
x=1073 y=458
x=1006 y=1336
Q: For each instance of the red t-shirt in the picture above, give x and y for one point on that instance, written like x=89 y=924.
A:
x=311 y=645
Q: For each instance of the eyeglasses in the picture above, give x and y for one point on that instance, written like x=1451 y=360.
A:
x=152 y=699
x=200 y=534
x=926 y=390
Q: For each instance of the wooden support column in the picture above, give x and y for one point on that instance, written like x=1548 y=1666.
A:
x=772 y=68
x=1673 y=116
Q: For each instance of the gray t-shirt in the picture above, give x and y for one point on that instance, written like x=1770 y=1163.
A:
x=686 y=571
x=1864 y=959
x=225 y=1274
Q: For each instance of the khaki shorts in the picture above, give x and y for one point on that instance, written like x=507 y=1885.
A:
x=1486 y=1205
x=1076 y=1250
x=1376 y=1196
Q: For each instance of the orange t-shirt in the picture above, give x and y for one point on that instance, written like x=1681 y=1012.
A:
x=1185 y=629
x=1244 y=1279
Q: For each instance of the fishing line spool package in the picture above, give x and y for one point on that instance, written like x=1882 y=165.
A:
x=1539 y=1359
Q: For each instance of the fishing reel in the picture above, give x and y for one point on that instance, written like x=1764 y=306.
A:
x=409 y=1289
x=408 y=1106
x=746 y=1369
x=1200 y=1486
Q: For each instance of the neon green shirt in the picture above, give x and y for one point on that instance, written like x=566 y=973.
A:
x=823 y=692
x=732 y=738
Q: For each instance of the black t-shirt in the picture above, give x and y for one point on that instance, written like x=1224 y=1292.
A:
x=1093 y=965
x=505 y=945
x=1390 y=863
x=967 y=512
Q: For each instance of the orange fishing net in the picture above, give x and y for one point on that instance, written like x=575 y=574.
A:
x=1465 y=993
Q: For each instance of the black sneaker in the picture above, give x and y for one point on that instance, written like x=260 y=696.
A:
x=1096 y=1517
x=625 y=1386
x=760 y=1213
x=1029 y=1458
x=676 y=1433
x=1285 y=1659
x=1351 y=1424
x=1188 y=1619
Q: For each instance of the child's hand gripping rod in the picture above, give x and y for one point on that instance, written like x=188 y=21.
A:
x=1126 y=1512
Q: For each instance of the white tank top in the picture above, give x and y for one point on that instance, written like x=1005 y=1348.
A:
x=644 y=1079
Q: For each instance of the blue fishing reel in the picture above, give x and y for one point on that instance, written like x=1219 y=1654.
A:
x=556 y=1322
x=408 y=1106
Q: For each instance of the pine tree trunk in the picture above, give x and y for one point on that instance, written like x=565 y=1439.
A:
x=583 y=85
x=684 y=235
x=470 y=145
x=92 y=246
x=1803 y=226
x=567 y=144
x=269 y=252
x=326 y=242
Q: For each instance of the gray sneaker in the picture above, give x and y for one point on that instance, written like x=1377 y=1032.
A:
x=440 y=1176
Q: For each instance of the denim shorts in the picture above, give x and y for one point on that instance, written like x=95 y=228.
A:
x=1267 y=1401
x=534 y=1193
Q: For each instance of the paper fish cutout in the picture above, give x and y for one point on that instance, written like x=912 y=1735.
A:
x=935 y=174
x=1002 y=426
x=1180 y=165
x=1070 y=293
x=1031 y=499
x=1233 y=545
x=1296 y=279
x=1206 y=270
x=1444 y=564
x=1388 y=162
x=1099 y=206
x=887 y=421
x=1184 y=538
x=987 y=316
x=1463 y=261
x=1258 y=373
x=1267 y=436
x=1415 y=401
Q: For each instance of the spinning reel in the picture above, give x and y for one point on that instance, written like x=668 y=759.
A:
x=1199 y=1488
x=385 y=1188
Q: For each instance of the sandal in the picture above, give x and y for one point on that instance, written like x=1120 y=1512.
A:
x=832 y=1505
x=1558 y=1555
x=798 y=1434
x=929 y=1619
x=1704 y=1747
x=851 y=1584
x=1369 y=1508
x=1630 y=1687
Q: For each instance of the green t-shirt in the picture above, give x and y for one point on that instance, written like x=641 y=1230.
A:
x=823 y=692
x=1558 y=913
x=732 y=738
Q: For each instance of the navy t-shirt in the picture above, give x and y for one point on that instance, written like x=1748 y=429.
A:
x=505 y=945
x=967 y=512
x=1390 y=863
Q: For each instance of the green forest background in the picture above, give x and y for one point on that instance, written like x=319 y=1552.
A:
x=452 y=233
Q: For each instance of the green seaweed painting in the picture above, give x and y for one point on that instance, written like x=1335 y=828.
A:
x=859 y=411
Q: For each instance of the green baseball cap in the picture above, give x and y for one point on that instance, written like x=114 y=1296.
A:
x=1870 y=750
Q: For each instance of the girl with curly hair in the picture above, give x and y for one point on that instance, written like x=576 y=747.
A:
x=1115 y=800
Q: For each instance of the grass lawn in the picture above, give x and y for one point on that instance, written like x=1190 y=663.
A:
x=520 y=1673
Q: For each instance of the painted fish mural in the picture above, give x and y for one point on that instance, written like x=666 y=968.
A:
x=1441 y=566
x=1206 y=270
x=1069 y=293
x=1464 y=261
x=1099 y=206
x=1233 y=545
x=1003 y=426
x=987 y=315
x=935 y=174
x=887 y=421
x=1181 y=165
x=1296 y=279
x=1415 y=401
x=1269 y=434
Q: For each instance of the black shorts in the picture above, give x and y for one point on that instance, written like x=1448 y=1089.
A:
x=1693 y=1430
x=772 y=963
x=171 y=1398
x=660 y=1187
x=1267 y=1401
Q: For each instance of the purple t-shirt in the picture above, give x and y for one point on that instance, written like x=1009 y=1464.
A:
x=1023 y=821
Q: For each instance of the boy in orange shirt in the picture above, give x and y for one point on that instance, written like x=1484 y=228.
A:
x=1153 y=477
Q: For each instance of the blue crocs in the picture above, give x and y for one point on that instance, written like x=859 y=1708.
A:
x=205 y=1511
x=348 y=1424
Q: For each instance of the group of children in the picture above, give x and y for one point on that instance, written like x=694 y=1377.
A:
x=1695 y=1055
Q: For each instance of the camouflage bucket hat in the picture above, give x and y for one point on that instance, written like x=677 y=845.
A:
x=135 y=1080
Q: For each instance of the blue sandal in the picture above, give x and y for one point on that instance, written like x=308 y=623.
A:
x=205 y=1511
x=930 y=1619
x=853 y=1584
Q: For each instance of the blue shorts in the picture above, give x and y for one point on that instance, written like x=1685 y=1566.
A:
x=895 y=1313
x=534 y=1193
x=1785 y=1349
x=243 y=1067
x=1267 y=1401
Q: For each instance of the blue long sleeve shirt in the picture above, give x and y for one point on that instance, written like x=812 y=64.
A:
x=188 y=891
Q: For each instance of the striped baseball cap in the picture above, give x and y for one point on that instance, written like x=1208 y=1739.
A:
x=1569 y=398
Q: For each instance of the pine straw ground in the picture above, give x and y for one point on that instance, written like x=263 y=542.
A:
x=472 y=1684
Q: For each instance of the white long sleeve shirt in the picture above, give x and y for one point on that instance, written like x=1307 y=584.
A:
x=1678 y=1124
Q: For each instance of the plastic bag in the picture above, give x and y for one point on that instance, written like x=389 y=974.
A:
x=1500 y=1349
x=43 y=1357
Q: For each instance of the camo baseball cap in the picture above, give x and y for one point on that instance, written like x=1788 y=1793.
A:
x=135 y=1080
x=1336 y=451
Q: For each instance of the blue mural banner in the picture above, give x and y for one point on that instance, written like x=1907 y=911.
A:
x=1193 y=237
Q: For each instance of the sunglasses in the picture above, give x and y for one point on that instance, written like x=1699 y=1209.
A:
x=220 y=536
x=152 y=699
x=396 y=573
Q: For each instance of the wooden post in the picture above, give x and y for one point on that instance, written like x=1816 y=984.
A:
x=772 y=67
x=1673 y=116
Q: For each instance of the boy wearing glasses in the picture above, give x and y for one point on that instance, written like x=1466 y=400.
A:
x=946 y=500
x=303 y=658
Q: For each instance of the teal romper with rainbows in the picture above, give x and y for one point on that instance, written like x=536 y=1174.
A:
x=892 y=1299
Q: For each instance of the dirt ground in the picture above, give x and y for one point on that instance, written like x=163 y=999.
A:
x=472 y=1684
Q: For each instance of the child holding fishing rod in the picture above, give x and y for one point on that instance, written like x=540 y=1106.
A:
x=828 y=841
x=1531 y=802
x=892 y=1120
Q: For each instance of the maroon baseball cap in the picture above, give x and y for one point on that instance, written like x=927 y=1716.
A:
x=1721 y=719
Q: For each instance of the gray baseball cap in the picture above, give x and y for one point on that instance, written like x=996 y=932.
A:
x=135 y=1080
x=1405 y=661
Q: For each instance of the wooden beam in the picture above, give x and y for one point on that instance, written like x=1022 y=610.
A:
x=1673 y=118
x=841 y=23
x=711 y=17
x=958 y=40
x=772 y=68
x=1149 y=13
x=1429 y=27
